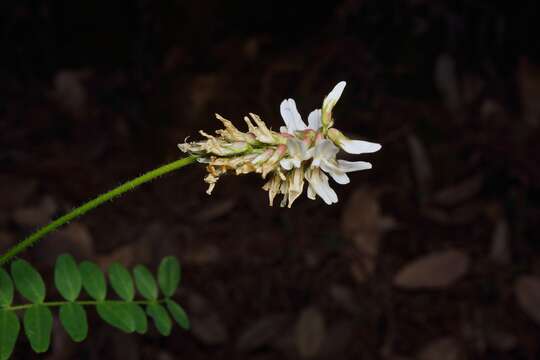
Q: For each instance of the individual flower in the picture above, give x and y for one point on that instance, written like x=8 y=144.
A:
x=288 y=158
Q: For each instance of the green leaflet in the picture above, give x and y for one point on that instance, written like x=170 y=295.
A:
x=169 y=275
x=67 y=277
x=145 y=282
x=141 y=322
x=93 y=280
x=28 y=281
x=9 y=328
x=38 y=322
x=161 y=318
x=126 y=314
x=121 y=281
x=178 y=314
x=73 y=319
x=117 y=314
x=6 y=289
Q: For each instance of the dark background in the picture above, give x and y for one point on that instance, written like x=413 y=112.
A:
x=93 y=93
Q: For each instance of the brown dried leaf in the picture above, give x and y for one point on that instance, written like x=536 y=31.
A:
x=75 y=239
x=421 y=165
x=36 y=215
x=209 y=329
x=460 y=192
x=447 y=82
x=435 y=270
x=361 y=214
x=528 y=79
x=446 y=348
x=500 y=247
x=363 y=223
x=202 y=255
x=310 y=332
x=70 y=92
x=527 y=289
x=337 y=339
x=262 y=332
x=125 y=255
x=215 y=210
x=344 y=297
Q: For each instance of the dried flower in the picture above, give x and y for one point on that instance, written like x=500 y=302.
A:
x=298 y=152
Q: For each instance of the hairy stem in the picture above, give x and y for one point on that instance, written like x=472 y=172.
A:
x=75 y=213
x=81 y=302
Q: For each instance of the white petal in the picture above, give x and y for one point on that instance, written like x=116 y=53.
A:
x=349 y=166
x=335 y=172
x=295 y=148
x=339 y=177
x=283 y=129
x=311 y=194
x=326 y=193
x=359 y=146
x=319 y=181
x=287 y=164
x=325 y=149
x=291 y=116
x=332 y=98
x=314 y=120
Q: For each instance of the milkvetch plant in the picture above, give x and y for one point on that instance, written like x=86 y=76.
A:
x=288 y=159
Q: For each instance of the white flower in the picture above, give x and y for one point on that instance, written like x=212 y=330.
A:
x=298 y=152
x=329 y=102
x=293 y=119
x=318 y=184
x=291 y=116
x=352 y=146
x=315 y=120
x=324 y=157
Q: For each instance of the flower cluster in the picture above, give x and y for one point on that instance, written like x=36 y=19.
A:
x=288 y=158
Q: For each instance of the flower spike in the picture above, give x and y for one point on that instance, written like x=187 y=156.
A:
x=295 y=154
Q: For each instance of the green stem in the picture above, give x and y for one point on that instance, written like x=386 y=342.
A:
x=82 y=302
x=75 y=213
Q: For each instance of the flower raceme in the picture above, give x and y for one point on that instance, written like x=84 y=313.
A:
x=290 y=157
